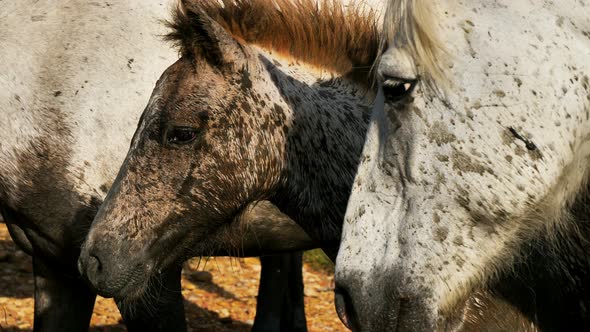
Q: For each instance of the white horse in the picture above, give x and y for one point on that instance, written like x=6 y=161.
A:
x=74 y=78
x=474 y=173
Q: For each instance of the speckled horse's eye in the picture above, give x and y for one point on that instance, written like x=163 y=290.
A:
x=181 y=135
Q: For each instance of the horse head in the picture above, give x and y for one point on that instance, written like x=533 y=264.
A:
x=477 y=153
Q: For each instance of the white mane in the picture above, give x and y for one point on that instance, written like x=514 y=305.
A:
x=411 y=24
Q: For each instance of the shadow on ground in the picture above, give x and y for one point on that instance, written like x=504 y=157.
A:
x=16 y=281
x=203 y=280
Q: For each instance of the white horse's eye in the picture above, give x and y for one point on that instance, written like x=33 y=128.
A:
x=396 y=89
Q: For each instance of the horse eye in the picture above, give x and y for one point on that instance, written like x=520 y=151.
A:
x=181 y=135
x=396 y=89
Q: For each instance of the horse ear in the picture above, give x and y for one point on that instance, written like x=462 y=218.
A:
x=198 y=34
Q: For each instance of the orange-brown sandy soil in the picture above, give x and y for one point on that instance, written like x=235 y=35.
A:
x=220 y=296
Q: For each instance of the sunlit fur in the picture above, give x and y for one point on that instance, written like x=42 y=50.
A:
x=322 y=33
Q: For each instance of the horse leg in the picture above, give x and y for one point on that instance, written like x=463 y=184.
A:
x=61 y=303
x=270 y=295
x=161 y=310
x=280 y=295
x=293 y=316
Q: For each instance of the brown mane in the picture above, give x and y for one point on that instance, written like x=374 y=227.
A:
x=322 y=34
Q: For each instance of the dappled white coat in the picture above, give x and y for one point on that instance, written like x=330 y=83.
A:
x=83 y=64
x=447 y=192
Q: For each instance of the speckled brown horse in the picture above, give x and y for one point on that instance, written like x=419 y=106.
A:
x=261 y=105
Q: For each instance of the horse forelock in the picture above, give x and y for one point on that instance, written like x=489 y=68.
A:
x=411 y=25
x=325 y=33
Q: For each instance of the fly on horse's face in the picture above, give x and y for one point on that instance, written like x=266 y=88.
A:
x=455 y=185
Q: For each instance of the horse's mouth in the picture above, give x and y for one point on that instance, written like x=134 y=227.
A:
x=132 y=291
x=131 y=284
x=115 y=277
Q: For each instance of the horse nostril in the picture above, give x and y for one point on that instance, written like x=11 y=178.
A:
x=344 y=308
x=95 y=263
x=93 y=267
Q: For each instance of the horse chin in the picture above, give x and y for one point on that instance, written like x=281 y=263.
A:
x=426 y=315
x=423 y=319
x=132 y=294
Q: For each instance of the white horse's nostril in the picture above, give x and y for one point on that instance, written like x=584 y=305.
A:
x=340 y=299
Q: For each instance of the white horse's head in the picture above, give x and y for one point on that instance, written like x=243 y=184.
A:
x=479 y=146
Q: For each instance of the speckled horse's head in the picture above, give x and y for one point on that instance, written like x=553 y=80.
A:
x=269 y=100
x=475 y=167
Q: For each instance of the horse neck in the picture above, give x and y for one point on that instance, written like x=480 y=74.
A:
x=327 y=118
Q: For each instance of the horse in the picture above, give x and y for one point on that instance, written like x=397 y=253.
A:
x=269 y=101
x=474 y=174
x=217 y=42
x=69 y=105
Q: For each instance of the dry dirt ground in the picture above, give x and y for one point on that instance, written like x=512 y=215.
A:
x=219 y=296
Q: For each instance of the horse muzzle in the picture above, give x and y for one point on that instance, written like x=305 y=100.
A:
x=113 y=275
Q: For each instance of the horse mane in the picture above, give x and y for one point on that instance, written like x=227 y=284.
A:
x=410 y=24
x=321 y=33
